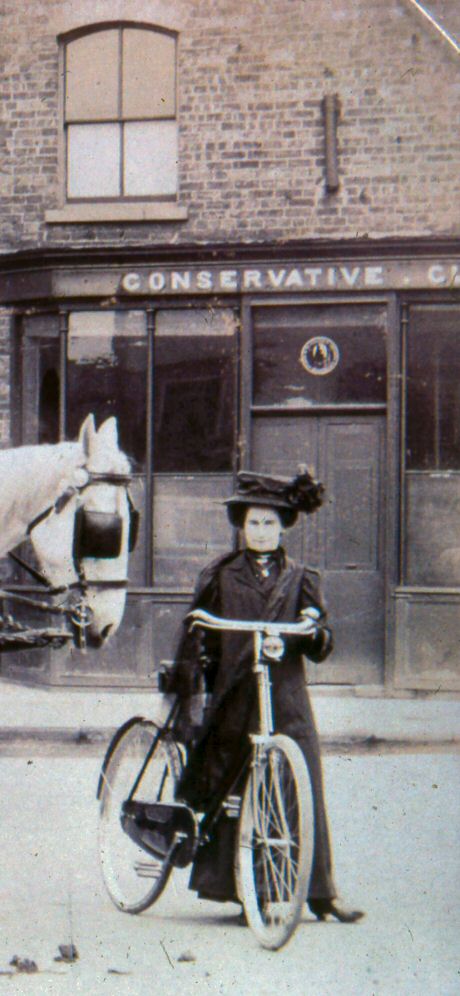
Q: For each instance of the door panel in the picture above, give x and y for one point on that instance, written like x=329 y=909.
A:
x=349 y=467
x=279 y=444
x=344 y=539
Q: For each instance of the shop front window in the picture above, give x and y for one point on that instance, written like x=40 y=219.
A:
x=432 y=452
x=92 y=362
x=194 y=437
x=106 y=375
x=98 y=361
x=41 y=379
x=433 y=389
x=307 y=356
x=194 y=378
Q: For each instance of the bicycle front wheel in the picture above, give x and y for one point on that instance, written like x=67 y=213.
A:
x=133 y=878
x=275 y=841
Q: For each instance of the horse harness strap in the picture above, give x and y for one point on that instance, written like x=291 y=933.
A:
x=57 y=506
x=96 y=534
x=62 y=500
x=15 y=635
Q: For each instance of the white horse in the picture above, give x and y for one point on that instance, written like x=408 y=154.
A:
x=43 y=491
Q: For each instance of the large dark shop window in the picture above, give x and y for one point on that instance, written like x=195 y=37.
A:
x=289 y=341
x=171 y=383
x=432 y=456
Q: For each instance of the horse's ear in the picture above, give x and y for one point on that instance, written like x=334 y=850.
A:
x=108 y=433
x=87 y=434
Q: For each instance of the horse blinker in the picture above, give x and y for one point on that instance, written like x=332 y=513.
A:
x=97 y=534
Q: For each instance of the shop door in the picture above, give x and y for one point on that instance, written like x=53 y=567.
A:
x=318 y=400
x=343 y=540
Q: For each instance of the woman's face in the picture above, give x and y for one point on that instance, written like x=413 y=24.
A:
x=262 y=529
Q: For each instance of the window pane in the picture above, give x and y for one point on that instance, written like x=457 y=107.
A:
x=307 y=355
x=148 y=74
x=107 y=362
x=137 y=557
x=433 y=389
x=40 y=379
x=432 y=537
x=150 y=158
x=190 y=526
x=92 y=77
x=93 y=160
x=194 y=387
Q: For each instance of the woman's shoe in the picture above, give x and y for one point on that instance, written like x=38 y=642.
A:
x=321 y=908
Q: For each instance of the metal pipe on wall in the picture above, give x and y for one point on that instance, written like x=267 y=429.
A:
x=331 y=109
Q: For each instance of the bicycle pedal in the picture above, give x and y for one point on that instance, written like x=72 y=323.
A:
x=232 y=806
x=148 y=869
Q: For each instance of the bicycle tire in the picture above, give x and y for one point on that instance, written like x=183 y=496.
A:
x=134 y=879
x=274 y=850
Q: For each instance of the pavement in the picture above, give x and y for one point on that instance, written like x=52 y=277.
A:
x=361 y=718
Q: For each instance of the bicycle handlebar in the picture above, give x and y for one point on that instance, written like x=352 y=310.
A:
x=205 y=620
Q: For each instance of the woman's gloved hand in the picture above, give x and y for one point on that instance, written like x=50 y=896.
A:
x=317 y=641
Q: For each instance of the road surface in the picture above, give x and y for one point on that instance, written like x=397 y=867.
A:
x=395 y=823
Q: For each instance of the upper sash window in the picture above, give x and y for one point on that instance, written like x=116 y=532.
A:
x=120 y=115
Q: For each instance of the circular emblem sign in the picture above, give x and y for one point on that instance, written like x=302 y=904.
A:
x=320 y=355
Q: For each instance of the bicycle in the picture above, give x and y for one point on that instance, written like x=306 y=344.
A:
x=145 y=831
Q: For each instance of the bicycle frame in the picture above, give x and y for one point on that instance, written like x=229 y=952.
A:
x=262 y=631
x=267 y=791
x=264 y=651
x=274 y=841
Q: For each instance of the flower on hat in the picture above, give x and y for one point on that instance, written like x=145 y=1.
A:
x=305 y=494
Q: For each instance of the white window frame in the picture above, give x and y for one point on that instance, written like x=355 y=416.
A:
x=139 y=206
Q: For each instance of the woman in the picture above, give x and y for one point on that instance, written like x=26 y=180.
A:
x=257 y=582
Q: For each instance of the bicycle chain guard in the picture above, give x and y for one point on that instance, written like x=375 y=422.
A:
x=162 y=829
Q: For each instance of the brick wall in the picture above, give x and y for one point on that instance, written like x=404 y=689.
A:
x=251 y=80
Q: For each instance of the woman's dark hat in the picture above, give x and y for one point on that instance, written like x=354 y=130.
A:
x=290 y=495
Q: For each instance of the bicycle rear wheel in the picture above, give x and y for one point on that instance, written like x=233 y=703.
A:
x=275 y=841
x=133 y=878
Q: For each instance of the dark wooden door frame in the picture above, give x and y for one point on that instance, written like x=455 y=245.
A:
x=392 y=470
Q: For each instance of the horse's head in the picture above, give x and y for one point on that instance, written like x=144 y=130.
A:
x=83 y=541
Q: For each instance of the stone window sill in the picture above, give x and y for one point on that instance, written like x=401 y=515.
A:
x=75 y=214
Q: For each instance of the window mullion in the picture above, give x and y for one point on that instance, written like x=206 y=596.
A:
x=63 y=336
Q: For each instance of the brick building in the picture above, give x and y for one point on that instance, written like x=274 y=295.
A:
x=236 y=227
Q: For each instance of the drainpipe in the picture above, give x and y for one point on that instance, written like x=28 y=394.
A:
x=331 y=110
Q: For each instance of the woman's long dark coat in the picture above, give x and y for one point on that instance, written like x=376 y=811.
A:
x=231 y=588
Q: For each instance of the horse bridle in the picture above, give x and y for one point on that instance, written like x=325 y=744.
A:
x=79 y=613
x=123 y=480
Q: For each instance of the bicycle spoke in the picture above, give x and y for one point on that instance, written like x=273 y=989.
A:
x=280 y=806
x=134 y=879
x=272 y=874
x=275 y=842
x=278 y=867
